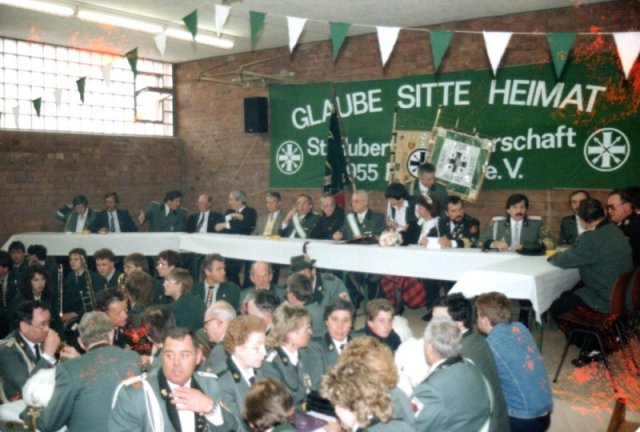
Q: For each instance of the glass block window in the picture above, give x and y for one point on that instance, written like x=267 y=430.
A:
x=114 y=102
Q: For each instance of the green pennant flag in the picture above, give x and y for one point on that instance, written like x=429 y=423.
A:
x=560 y=45
x=338 y=35
x=256 y=19
x=439 y=43
x=80 y=84
x=191 y=21
x=132 y=58
x=37 y=104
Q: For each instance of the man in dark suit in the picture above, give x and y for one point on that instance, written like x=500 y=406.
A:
x=174 y=397
x=238 y=219
x=269 y=224
x=457 y=229
x=112 y=302
x=166 y=217
x=214 y=287
x=204 y=221
x=112 y=219
x=85 y=385
x=455 y=396
x=475 y=348
x=622 y=212
x=29 y=348
x=570 y=227
x=426 y=183
x=301 y=220
x=77 y=216
x=331 y=220
x=106 y=266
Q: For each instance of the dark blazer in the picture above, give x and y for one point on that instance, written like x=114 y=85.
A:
x=322 y=355
x=124 y=219
x=328 y=225
x=372 y=225
x=189 y=311
x=466 y=236
x=308 y=223
x=437 y=189
x=244 y=226
x=568 y=230
x=212 y=220
x=174 y=221
x=228 y=291
x=70 y=218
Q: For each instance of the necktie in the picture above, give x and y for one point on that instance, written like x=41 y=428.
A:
x=342 y=347
x=252 y=381
x=209 y=296
x=112 y=223
x=516 y=236
x=200 y=222
x=37 y=348
x=268 y=227
x=456 y=231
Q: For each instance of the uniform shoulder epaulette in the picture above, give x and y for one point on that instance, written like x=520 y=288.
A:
x=328 y=276
x=207 y=374
x=497 y=218
x=223 y=372
x=8 y=343
x=271 y=356
x=538 y=218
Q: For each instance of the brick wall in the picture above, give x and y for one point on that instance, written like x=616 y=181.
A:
x=219 y=156
x=40 y=172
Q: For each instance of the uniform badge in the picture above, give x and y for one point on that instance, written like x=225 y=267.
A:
x=285 y=360
x=331 y=347
x=416 y=406
x=236 y=376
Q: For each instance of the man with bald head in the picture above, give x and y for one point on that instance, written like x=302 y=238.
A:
x=204 y=221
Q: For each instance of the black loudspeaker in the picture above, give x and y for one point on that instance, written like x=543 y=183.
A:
x=256 y=116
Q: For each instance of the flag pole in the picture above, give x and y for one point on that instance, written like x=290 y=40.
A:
x=394 y=144
x=343 y=140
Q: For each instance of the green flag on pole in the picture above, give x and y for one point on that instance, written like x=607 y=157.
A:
x=338 y=35
x=80 y=83
x=560 y=45
x=439 y=44
x=256 y=20
x=132 y=58
x=191 y=21
x=37 y=104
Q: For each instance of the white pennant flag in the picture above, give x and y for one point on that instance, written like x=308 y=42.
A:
x=296 y=25
x=496 y=43
x=387 y=37
x=628 y=45
x=222 y=14
x=57 y=95
x=106 y=73
x=161 y=43
x=16 y=116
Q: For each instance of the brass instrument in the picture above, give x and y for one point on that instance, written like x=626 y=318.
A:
x=88 y=300
x=61 y=287
x=122 y=280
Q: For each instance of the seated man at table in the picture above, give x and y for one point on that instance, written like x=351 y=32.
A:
x=112 y=219
x=457 y=229
x=570 y=227
x=524 y=377
x=331 y=220
x=362 y=222
x=204 y=221
x=516 y=229
x=301 y=220
x=166 y=217
x=602 y=254
x=77 y=216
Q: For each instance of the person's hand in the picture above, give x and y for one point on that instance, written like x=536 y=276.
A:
x=51 y=343
x=444 y=242
x=290 y=215
x=337 y=235
x=68 y=352
x=238 y=216
x=423 y=241
x=332 y=426
x=66 y=317
x=219 y=226
x=103 y=231
x=141 y=217
x=501 y=245
x=190 y=399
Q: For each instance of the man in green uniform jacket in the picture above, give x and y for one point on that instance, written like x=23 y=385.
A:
x=166 y=217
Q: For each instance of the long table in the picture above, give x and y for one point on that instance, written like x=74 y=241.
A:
x=475 y=272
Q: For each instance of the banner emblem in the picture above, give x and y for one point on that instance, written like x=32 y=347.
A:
x=415 y=159
x=607 y=149
x=289 y=157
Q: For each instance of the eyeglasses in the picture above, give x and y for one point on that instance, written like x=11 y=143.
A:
x=42 y=326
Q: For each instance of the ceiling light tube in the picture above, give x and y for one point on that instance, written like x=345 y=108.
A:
x=41 y=6
x=119 y=21
x=200 y=38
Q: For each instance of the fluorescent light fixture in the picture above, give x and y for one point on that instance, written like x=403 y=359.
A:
x=119 y=21
x=41 y=6
x=200 y=38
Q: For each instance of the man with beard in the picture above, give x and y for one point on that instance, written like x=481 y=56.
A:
x=458 y=229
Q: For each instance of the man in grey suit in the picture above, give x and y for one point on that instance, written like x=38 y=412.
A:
x=85 y=385
x=516 y=229
x=455 y=397
x=362 y=223
x=476 y=349
x=269 y=224
x=173 y=397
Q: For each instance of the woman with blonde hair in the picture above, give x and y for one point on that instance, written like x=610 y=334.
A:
x=378 y=358
x=361 y=398
x=286 y=362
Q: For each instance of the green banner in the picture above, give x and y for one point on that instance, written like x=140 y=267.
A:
x=575 y=133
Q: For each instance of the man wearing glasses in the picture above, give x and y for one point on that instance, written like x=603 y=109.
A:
x=622 y=213
x=29 y=348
